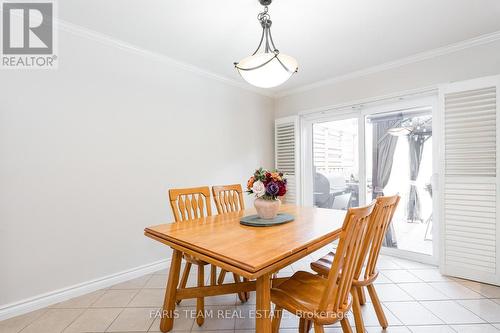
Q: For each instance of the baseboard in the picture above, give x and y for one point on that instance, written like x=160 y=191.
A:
x=56 y=296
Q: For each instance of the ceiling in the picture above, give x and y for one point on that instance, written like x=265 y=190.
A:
x=329 y=38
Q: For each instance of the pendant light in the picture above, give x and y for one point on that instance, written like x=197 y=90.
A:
x=266 y=67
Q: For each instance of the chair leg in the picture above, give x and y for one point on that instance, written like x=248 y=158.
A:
x=247 y=294
x=356 y=309
x=276 y=319
x=200 y=302
x=346 y=327
x=222 y=276
x=319 y=328
x=377 y=306
x=185 y=276
x=362 y=296
x=304 y=325
x=241 y=295
x=213 y=275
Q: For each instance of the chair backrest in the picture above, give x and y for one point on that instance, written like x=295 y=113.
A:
x=190 y=203
x=346 y=258
x=228 y=198
x=342 y=201
x=385 y=208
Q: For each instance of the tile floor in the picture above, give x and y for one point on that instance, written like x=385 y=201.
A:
x=415 y=296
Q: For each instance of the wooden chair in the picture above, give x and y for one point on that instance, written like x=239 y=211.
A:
x=319 y=300
x=187 y=204
x=229 y=198
x=379 y=222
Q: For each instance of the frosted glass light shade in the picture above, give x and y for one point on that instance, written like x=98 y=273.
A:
x=271 y=74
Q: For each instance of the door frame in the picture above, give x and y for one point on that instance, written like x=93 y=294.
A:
x=360 y=112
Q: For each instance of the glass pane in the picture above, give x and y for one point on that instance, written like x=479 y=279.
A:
x=399 y=160
x=336 y=164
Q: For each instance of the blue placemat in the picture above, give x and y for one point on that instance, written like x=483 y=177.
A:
x=256 y=221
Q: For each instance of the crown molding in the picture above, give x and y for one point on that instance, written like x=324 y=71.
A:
x=111 y=41
x=451 y=48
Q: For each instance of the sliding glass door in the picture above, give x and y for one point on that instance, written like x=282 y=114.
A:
x=336 y=164
x=352 y=158
x=399 y=160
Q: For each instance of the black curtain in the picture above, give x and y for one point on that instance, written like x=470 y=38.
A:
x=384 y=146
x=416 y=148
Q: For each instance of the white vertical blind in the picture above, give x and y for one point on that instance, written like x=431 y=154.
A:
x=287 y=155
x=470 y=231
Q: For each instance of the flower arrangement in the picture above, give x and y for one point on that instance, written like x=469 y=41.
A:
x=267 y=185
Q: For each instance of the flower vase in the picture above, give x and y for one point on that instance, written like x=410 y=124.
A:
x=267 y=209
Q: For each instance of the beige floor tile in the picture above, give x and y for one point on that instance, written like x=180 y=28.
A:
x=382 y=279
x=289 y=320
x=217 y=318
x=387 y=264
x=477 y=328
x=497 y=326
x=401 y=276
x=392 y=293
x=53 y=321
x=221 y=300
x=391 y=329
x=429 y=275
x=163 y=271
x=133 y=320
x=16 y=324
x=370 y=317
x=455 y=290
x=409 y=264
x=183 y=323
x=413 y=313
x=245 y=320
x=83 y=301
x=431 y=329
x=137 y=283
x=94 y=320
x=484 y=308
x=148 y=298
x=115 y=298
x=158 y=281
x=422 y=291
x=486 y=290
x=451 y=312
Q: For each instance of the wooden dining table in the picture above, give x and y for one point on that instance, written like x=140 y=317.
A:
x=254 y=253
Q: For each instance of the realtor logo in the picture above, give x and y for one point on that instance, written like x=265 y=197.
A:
x=28 y=35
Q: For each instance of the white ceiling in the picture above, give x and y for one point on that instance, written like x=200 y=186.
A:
x=329 y=38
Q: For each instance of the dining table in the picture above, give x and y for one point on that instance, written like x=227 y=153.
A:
x=254 y=253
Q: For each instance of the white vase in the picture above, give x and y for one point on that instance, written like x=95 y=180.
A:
x=267 y=209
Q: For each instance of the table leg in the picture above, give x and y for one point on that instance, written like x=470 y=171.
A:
x=263 y=306
x=167 y=319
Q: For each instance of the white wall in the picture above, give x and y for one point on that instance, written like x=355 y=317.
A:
x=469 y=63
x=89 y=151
